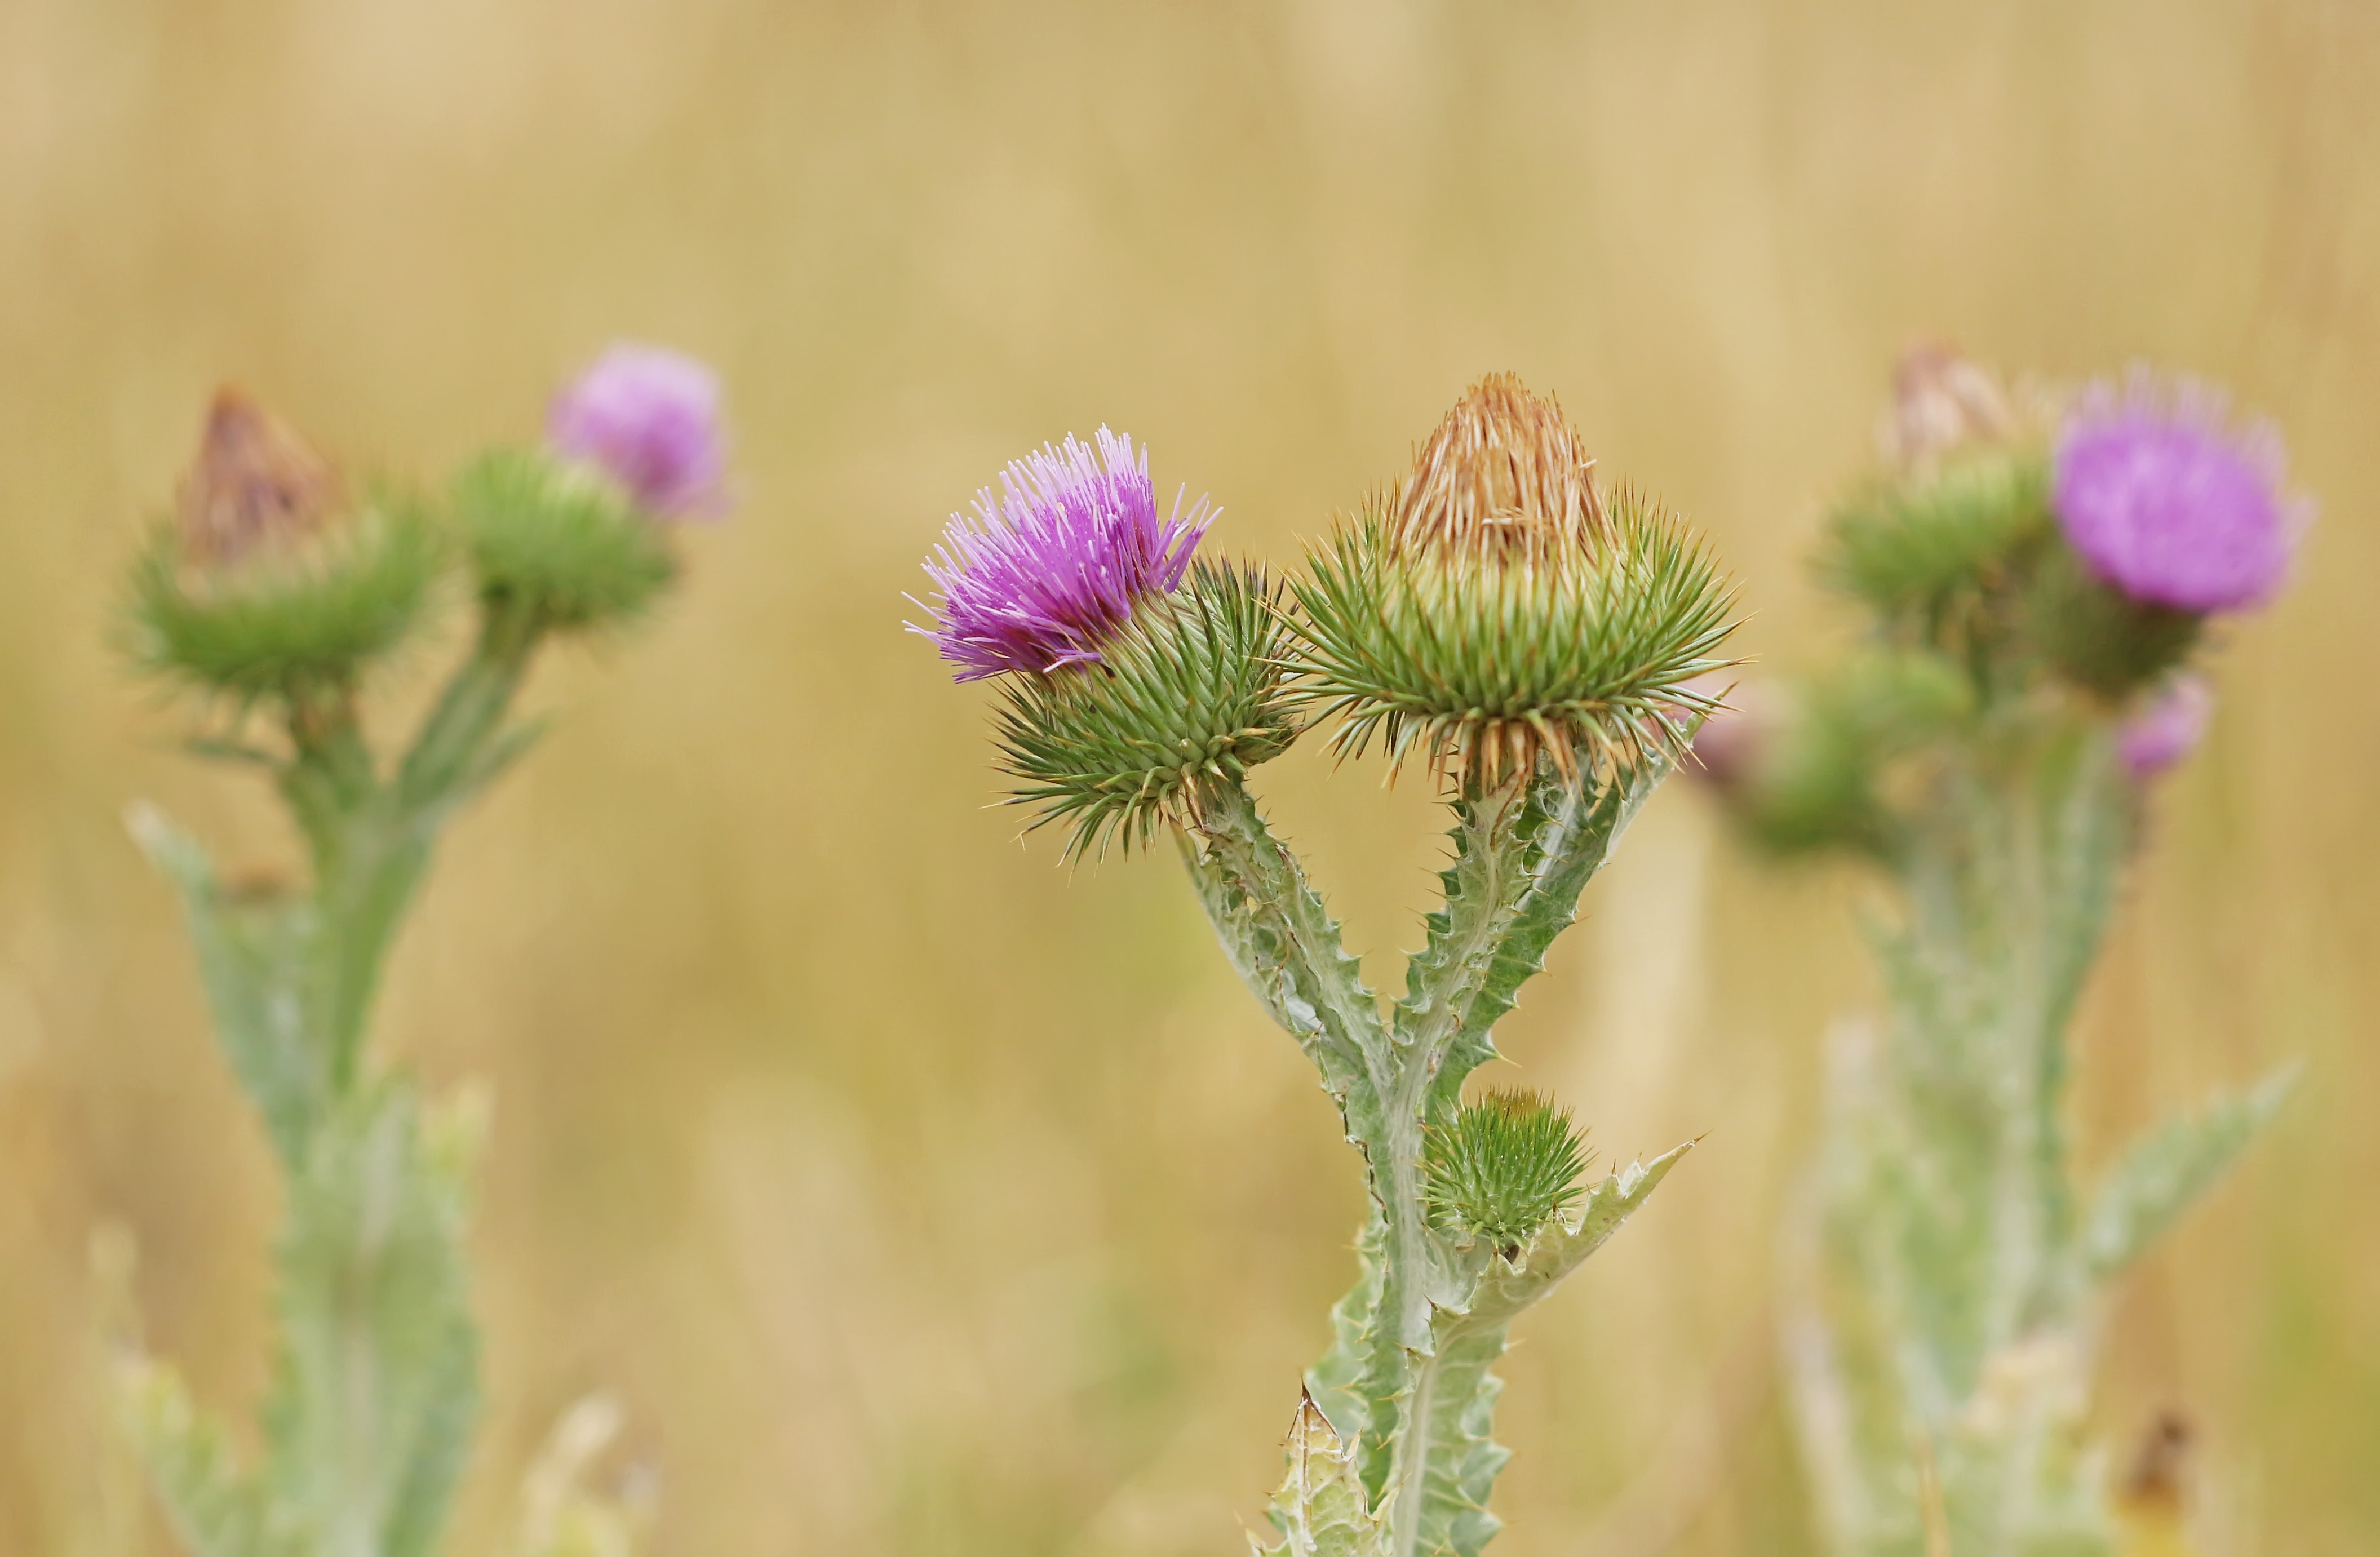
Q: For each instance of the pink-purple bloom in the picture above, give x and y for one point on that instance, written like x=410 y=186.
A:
x=2167 y=501
x=648 y=419
x=2167 y=728
x=1040 y=576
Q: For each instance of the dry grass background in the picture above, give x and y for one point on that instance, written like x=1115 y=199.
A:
x=915 y=1197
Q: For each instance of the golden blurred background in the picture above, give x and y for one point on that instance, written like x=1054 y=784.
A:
x=913 y=1194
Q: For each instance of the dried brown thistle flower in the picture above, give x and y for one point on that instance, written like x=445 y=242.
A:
x=256 y=484
x=1503 y=475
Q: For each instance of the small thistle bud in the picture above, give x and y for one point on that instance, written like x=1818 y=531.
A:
x=648 y=419
x=1492 y=615
x=1040 y=576
x=1501 y=1167
x=269 y=581
x=2165 y=502
x=575 y=536
x=2167 y=728
x=1184 y=696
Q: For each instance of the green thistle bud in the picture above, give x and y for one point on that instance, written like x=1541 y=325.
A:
x=1911 y=544
x=1490 y=615
x=1502 y=1168
x=560 y=540
x=1185 y=695
x=268 y=581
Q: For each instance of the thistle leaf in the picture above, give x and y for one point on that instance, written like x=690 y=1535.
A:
x=370 y=1418
x=1451 y=1432
x=252 y=954
x=1321 y=1510
x=2158 y=1178
x=215 y=1507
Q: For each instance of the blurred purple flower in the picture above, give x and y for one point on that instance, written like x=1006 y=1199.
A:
x=1040 y=576
x=2170 y=504
x=2167 y=728
x=1734 y=740
x=648 y=419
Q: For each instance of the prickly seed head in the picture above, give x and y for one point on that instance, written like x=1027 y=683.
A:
x=1493 y=614
x=256 y=485
x=2169 y=502
x=1042 y=574
x=1184 y=697
x=1501 y=1167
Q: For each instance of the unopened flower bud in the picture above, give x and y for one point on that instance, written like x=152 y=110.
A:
x=2163 y=499
x=1493 y=614
x=1502 y=1167
x=2167 y=728
x=648 y=419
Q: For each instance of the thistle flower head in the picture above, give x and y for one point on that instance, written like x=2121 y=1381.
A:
x=648 y=419
x=269 y=579
x=2167 y=728
x=1185 y=696
x=1043 y=575
x=2167 y=501
x=1492 y=614
x=1501 y=1167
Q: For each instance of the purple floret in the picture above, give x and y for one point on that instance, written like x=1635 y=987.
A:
x=1041 y=575
x=2167 y=728
x=2166 y=503
x=648 y=419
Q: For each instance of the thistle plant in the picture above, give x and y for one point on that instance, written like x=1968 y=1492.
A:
x=275 y=598
x=1491 y=620
x=2037 y=590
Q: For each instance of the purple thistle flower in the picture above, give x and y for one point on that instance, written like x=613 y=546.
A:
x=2167 y=728
x=2168 y=503
x=1041 y=577
x=648 y=419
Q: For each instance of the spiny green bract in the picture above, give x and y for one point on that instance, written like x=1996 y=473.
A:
x=1502 y=1166
x=1908 y=544
x=1186 y=694
x=2097 y=637
x=1481 y=663
x=560 y=540
x=286 y=621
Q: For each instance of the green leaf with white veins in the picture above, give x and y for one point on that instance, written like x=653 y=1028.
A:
x=1320 y=1510
x=2157 y=1178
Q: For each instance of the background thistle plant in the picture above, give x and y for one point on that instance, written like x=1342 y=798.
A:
x=2030 y=601
x=1494 y=567
x=274 y=592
